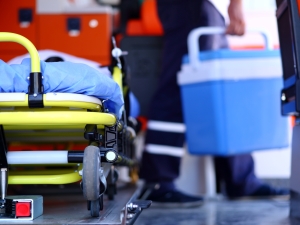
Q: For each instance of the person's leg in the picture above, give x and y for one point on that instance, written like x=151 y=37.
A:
x=237 y=172
x=165 y=134
x=164 y=140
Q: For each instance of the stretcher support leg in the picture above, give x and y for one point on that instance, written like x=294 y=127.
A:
x=3 y=168
x=4 y=180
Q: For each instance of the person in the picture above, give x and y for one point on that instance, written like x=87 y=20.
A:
x=165 y=131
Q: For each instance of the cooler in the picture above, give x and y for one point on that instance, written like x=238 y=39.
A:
x=231 y=99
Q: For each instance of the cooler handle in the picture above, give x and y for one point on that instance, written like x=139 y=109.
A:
x=194 y=35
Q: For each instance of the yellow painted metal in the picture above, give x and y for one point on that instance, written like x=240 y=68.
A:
x=13 y=104
x=56 y=118
x=48 y=109
x=125 y=90
x=117 y=76
x=47 y=127
x=12 y=37
x=7 y=105
x=44 y=134
x=52 y=171
x=63 y=176
x=52 y=105
x=66 y=178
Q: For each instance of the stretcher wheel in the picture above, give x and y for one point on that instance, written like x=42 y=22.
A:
x=91 y=174
x=95 y=208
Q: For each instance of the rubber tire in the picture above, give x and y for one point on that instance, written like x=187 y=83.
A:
x=95 y=208
x=90 y=173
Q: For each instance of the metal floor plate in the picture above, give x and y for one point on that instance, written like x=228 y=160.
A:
x=67 y=206
x=222 y=212
x=72 y=209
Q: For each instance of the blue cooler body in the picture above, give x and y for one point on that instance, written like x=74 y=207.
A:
x=231 y=102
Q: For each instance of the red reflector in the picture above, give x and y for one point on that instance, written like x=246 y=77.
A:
x=23 y=209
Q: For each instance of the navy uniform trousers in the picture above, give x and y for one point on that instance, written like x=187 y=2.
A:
x=165 y=134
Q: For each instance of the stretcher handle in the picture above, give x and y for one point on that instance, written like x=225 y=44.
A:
x=35 y=59
x=194 y=35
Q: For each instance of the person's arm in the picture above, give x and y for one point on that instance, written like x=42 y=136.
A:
x=236 y=18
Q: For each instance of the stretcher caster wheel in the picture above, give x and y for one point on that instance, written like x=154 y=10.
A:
x=90 y=174
x=95 y=208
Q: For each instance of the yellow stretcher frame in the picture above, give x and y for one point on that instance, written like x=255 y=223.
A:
x=61 y=104
x=34 y=55
x=55 y=117
x=62 y=176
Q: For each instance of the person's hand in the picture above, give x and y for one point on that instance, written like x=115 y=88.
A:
x=237 y=23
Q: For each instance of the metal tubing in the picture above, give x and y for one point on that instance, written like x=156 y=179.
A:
x=56 y=118
x=54 y=157
x=3 y=149
x=37 y=157
x=35 y=59
x=4 y=182
x=67 y=178
x=124 y=160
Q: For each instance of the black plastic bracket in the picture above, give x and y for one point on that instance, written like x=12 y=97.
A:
x=8 y=209
x=91 y=133
x=77 y=156
x=111 y=137
x=35 y=90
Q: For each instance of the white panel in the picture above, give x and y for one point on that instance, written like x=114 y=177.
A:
x=46 y=6
x=71 y=6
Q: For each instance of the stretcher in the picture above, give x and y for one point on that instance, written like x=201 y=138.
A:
x=109 y=139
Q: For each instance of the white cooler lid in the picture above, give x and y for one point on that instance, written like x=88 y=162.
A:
x=231 y=65
x=236 y=54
